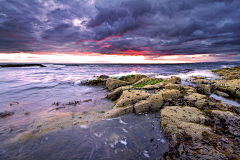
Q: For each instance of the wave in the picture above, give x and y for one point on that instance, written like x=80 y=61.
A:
x=227 y=66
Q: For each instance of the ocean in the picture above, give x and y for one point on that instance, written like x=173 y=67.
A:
x=49 y=123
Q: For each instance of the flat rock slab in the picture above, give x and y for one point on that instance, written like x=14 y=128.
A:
x=115 y=83
x=195 y=97
x=176 y=119
x=169 y=94
x=130 y=97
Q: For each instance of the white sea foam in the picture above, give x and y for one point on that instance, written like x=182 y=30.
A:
x=84 y=126
x=204 y=73
x=145 y=153
x=227 y=66
x=124 y=142
x=123 y=74
x=120 y=121
x=98 y=134
x=124 y=130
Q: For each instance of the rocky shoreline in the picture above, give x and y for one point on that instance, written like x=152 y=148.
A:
x=197 y=125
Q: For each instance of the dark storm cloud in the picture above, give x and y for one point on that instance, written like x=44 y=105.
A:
x=150 y=27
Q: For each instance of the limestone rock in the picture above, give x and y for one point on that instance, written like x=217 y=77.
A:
x=174 y=79
x=168 y=94
x=130 y=97
x=202 y=81
x=190 y=138
x=204 y=89
x=176 y=119
x=228 y=121
x=191 y=90
x=115 y=112
x=115 y=83
x=195 y=97
x=151 y=104
x=132 y=78
x=233 y=75
x=227 y=89
x=159 y=85
x=141 y=81
x=117 y=92
x=6 y=113
x=219 y=93
x=172 y=86
x=237 y=93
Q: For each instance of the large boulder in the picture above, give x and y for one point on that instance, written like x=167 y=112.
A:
x=115 y=112
x=172 y=86
x=237 y=93
x=202 y=81
x=159 y=85
x=151 y=104
x=219 y=93
x=169 y=94
x=233 y=75
x=117 y=92
x=204 y=89
x=194 y=97
x=115 y=83
x=189 y=90
x=190 y=138
x=176 y=119
x=174 y=79
x=227 y=89
x=141 y=81
x=132 y=78
x=227 y=121
x=130 y=97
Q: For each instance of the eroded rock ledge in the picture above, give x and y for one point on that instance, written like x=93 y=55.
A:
x=197 y=126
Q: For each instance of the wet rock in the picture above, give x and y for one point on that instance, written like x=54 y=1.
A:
x=22 y=65
x=227 y=89
x=141 y=81
x=204 y=89
x=159 y=85
x=95 y=82
x=87 y=100
x=233 y=75
x=130 y=97
x=26 y=113
x=190 y=138
x=201 y=103
x=227 y=121
x=172 y=86
x=174 y=80
x=195 y=97
x=13 y=103
x=117 y=92
x=219 y=93
x=151 y=104
x=237 y=94
x=114 y=83
x=190 y=90
x=132 y=78
x=103 y=76
x=202 y=81
x=6 y=113
x=169 y=94
x=177 y=119
x=115 y=112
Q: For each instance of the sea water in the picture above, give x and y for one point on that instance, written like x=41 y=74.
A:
x=48 y=123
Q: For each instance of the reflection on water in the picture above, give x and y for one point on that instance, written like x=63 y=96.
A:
x=126 y=137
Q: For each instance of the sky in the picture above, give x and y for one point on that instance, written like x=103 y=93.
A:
x=119 y=31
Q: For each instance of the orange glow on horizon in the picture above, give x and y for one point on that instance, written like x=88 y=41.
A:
x=132 y=56
x=85 y=58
